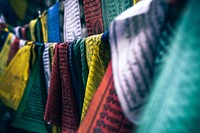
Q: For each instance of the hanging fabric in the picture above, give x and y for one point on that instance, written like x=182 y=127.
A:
x=105 y=113
x=30 y=113
x=43 y=19
x=4 y=55
x=60 y=109
x=175 y=96
x=96 y=53
x=72 y=20
x=134 y=36
x=53 y=23
x=15 y=77
x=93 y=16
x=112 y=8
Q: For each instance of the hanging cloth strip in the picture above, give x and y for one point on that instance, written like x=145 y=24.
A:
x=4 y=55
x=93 y=16
x=15 y=77
x=178 y=104
x=31 y=109
x=69 y=116
x=133 y=37
x=46 y=64
x=53 y=23
x=112 y=8
x=105 y=113
x=32 y=25
x=72 y=20
x=38 y=31
x=60 y=109
x=96 y=53
x=43 y=20
x=13 y=50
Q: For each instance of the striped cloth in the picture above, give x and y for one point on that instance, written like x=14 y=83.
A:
x=134 y=37
x=93 y=16
x=105 y=114
x=174 y=103
x=72 y=20
x=46 y=64
x=30 y=112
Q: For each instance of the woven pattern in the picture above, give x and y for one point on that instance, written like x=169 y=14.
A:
x=95 y=55
x=53 y=23
x=112 y=8
x=93 y=16
x=133 y=37
x=105 y=113
x=46 y=64
x=31 y=109
x=176 y=109
x=15 y=77
x=72 y=22
x=4 y=55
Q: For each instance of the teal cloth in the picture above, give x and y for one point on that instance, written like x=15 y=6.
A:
x=174 y=103
x=30 y=113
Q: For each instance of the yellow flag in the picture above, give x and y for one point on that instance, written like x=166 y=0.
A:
x=15 y=77
x=32 y=29
x=5 y=53
x=96 y=66
x=43 y=19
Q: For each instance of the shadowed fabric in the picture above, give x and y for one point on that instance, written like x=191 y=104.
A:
x=72 y=20
x=53 y=23
x=30 y=113
x=3 y=39
x=98 y=56
x=15 y=77
x=4 y=55
x=77 y=64
x=112 y=8
x=46 y=64
x=69 y=116
x=174 y=102
x=43 y=19
x=32 y=25
x=53 y=109
x=13 y=50
x=93 y=16
x=38 y=31
x=134 y=39
x=84 y=65
x=105 y=114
